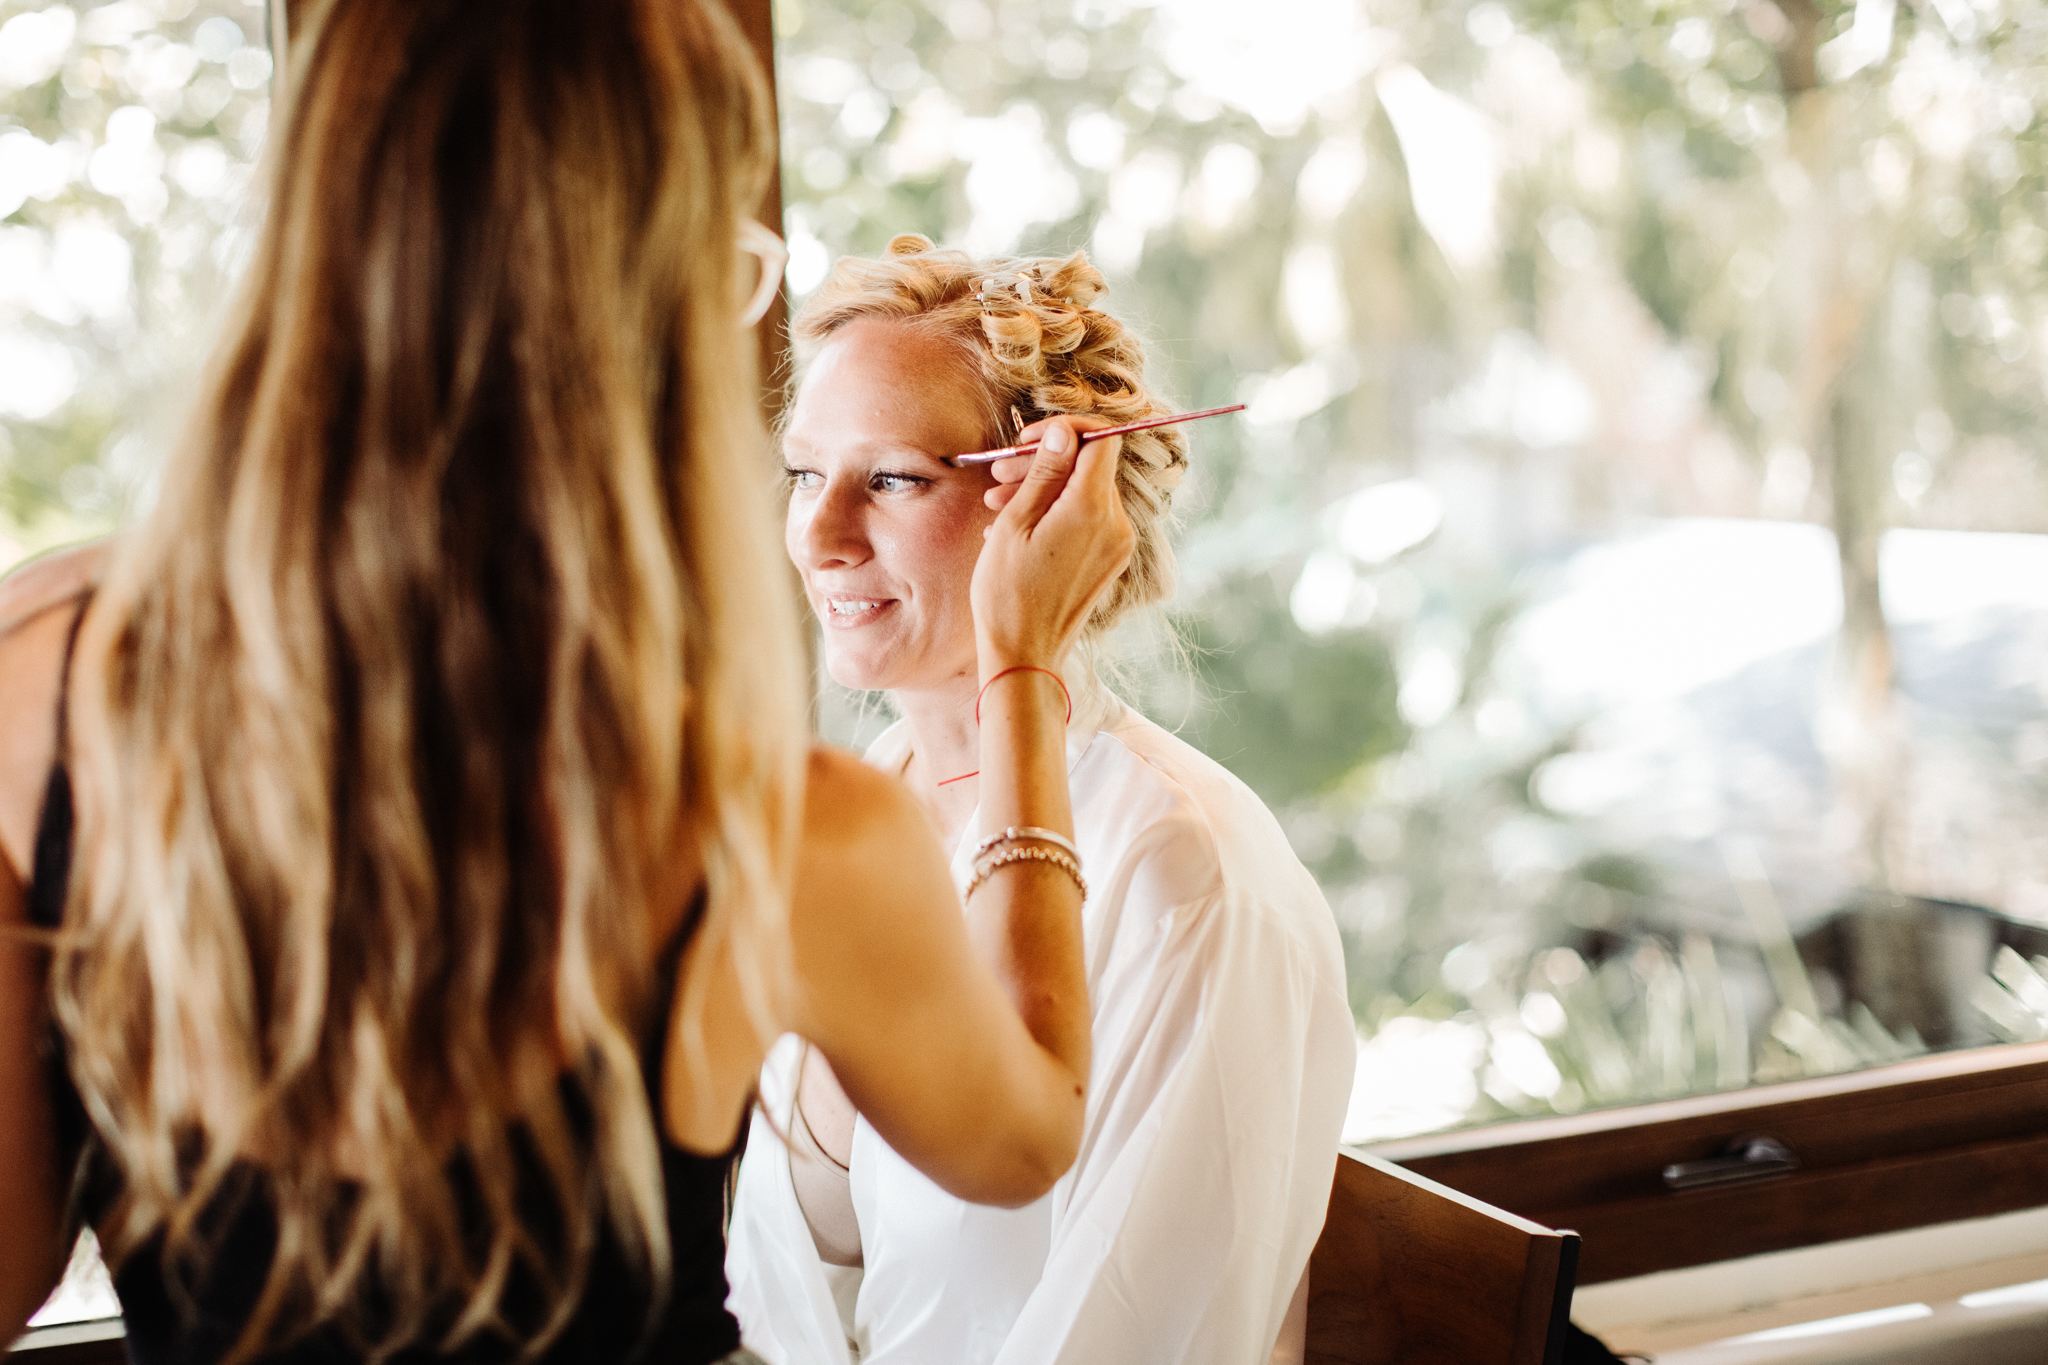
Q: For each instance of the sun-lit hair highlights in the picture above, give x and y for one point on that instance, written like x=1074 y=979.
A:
x=460 y=628
x=1033 y=335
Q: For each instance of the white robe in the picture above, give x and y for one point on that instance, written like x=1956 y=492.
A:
x=1223 y=1056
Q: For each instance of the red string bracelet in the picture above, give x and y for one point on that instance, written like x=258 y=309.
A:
x=1023 y=668
x=1019 y=668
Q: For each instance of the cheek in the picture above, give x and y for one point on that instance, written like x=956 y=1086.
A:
x=959 y=549
x=937 y=552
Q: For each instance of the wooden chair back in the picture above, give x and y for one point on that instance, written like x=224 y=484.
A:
x=1410 y=1272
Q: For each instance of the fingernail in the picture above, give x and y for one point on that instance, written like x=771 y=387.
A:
x=1059 y=440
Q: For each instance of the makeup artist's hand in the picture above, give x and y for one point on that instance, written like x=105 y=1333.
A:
x=1059 y=540
x=1011 y=473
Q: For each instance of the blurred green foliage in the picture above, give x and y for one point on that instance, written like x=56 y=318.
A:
x=1569 y=265
x=1291 y=714
x=1702 y=232
x=128 y=133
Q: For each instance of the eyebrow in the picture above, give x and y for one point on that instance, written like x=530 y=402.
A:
x=873 y=452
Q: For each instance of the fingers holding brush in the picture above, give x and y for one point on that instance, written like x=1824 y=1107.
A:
x=1060 y=540
x=1023 y=448
x=1009 y=474
x=1041 y=467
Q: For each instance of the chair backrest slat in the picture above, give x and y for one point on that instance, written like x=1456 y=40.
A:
x=1411 y=1271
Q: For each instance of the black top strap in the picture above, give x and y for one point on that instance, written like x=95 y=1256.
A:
x=48 y=888
x=50 y=875
x=64 y=677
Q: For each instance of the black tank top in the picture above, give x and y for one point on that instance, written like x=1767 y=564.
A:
x=611 y=1319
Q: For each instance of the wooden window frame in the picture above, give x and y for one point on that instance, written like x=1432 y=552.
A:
x=1933 y=1140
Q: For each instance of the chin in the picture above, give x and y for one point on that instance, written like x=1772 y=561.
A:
x=858 y=674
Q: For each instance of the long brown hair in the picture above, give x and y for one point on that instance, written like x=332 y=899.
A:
x=458 y=623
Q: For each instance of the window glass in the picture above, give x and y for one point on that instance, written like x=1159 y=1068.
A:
x=127 y=135
x=1627 y=583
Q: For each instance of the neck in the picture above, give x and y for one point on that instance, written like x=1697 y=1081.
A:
x=945 y=750
x=944 y=743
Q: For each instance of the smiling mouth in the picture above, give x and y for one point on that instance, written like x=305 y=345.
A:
x=854 y=611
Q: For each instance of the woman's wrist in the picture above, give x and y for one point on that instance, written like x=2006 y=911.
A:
x=1021 y=671
x=995 y=656
x=1022 y=681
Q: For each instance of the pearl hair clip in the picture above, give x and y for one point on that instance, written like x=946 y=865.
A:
x=1031 y=447
x=1023 y=290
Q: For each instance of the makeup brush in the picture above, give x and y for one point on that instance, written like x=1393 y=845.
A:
x=991 y=456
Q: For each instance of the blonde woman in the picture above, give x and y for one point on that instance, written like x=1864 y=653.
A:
x=1223 y=1047
x=397 y=830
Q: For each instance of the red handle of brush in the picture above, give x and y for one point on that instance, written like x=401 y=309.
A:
x=1006 y=452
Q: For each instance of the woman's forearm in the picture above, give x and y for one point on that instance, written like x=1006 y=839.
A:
x=1025 y=919
x=1057 y=544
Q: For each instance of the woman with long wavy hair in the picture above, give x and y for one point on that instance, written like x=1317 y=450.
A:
x=409 y=843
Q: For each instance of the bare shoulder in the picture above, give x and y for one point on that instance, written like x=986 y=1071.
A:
x=38 y=603
x=872 y=889
x=48 y=581
x=849 y=806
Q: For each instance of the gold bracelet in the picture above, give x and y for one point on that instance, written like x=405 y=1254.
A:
x=1017 y=832
x=1032 y=854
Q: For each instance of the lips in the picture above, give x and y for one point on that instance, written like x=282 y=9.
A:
x=845 y=613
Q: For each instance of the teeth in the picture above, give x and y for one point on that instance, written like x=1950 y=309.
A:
x=841 y=607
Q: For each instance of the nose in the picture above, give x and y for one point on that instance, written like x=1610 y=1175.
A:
x=827 y=530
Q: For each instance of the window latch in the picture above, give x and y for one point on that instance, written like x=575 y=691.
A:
x=1753 y=1158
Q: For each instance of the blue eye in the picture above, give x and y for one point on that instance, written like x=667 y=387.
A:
x=895 y=483
x=800 y=478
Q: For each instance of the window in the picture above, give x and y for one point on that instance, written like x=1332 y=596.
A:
x=1626 y=581
x=128 y=133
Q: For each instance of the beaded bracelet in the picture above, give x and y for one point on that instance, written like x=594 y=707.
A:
x=1026 y=855
x=1016 y=832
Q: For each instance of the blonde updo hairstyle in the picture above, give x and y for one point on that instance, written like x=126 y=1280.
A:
x=1031 y=332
